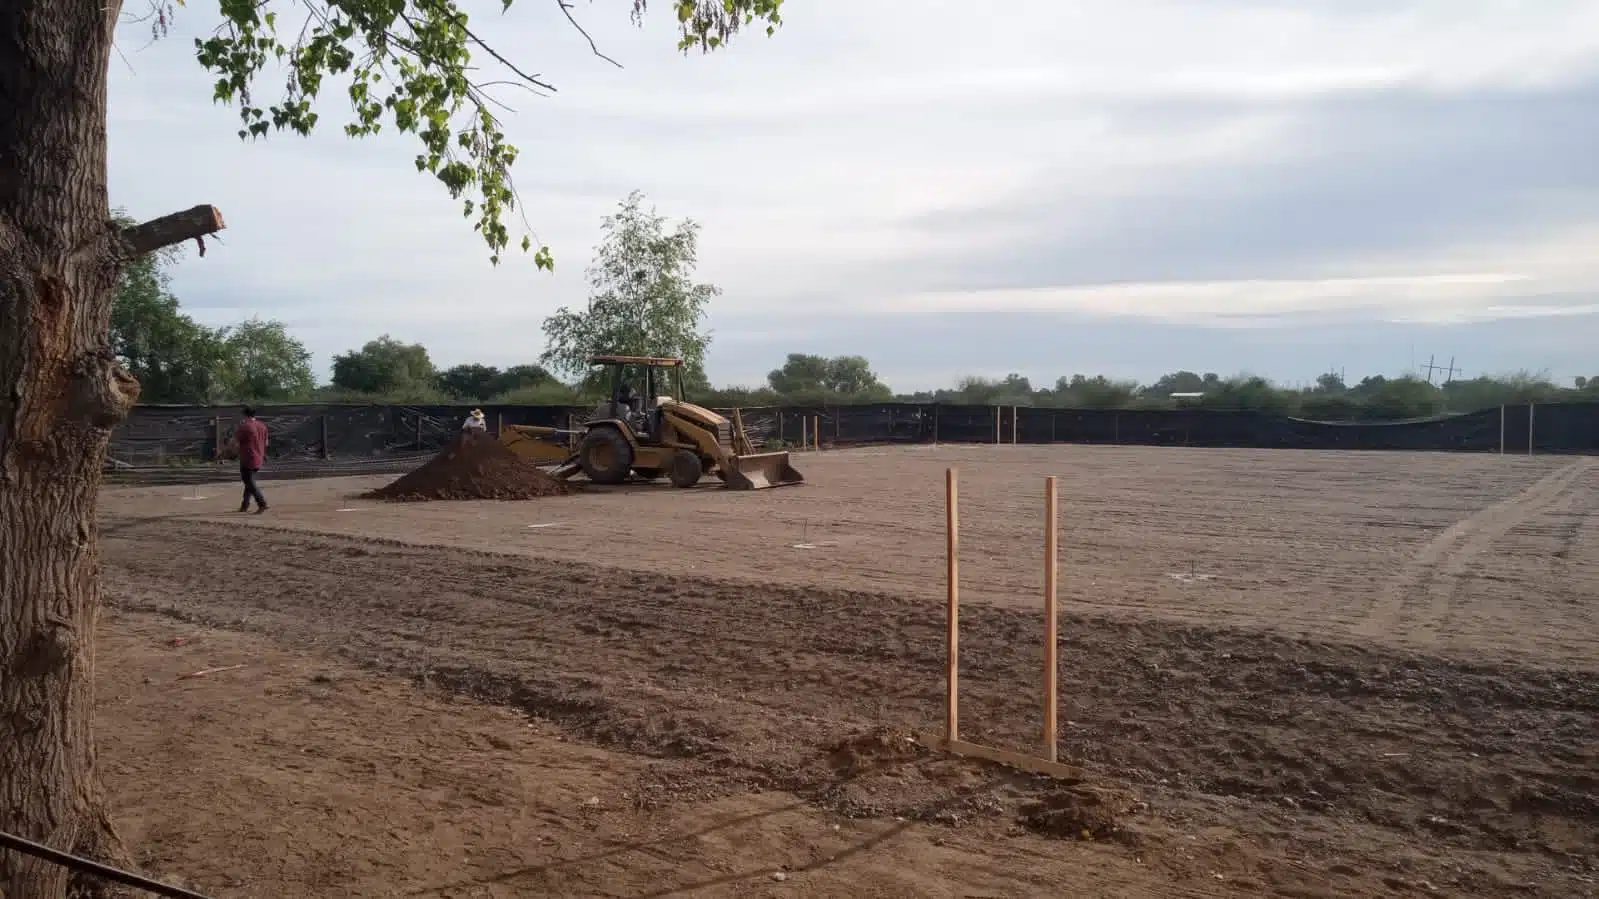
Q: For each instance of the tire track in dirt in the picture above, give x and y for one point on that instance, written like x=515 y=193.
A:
x=1416 y=604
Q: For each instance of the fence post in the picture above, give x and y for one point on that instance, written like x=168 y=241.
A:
x=1116 y=428
x=780 y=424
x=1051 y=621
x=325 y=453
x=1501 y=429
x=1053 y=414
x=1530 y=407
x=419 y=429
x=216 y=428
x=996 y=424
x=1015 y=422
x=935 y=425
x=952 y=609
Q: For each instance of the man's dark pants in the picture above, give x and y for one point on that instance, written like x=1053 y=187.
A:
x=247 y=475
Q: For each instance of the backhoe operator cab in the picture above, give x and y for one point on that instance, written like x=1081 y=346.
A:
x=646 y=428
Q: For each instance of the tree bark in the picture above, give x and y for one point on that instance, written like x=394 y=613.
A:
x=61 y=392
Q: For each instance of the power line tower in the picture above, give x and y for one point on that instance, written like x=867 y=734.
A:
x=1449 y=372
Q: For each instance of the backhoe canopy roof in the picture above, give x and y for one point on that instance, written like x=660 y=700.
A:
x=635 y=360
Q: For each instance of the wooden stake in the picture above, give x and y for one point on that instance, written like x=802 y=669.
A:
x=325 y=452
x=952 y=522
x=1051 y=622
x=1530 y=408
x=1015 y=419
x=935 y=426
x=996 y=424
x=805 y=430
x=1501 y=430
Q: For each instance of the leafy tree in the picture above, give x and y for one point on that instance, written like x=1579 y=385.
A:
x=1248 y=393
x=415 y=65
x=480 y=382
x=1331 y=382
x=1098 y=392
x=175 y=359
x=643 y=301
x=1395 y=399
x=801 y=372
x=1013 y=390
x=470 y=382
x=1183 y=382
x=262 y=363
x=383 y=366
x=818 y=378
x=518 y=377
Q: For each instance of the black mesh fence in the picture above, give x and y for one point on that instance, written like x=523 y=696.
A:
x=178 y=443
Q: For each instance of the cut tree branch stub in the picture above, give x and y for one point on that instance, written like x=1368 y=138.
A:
x=190 y=224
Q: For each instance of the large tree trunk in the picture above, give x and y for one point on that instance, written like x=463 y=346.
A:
x=61 y=392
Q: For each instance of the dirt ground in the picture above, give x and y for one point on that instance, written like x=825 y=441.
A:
x=1309 y=674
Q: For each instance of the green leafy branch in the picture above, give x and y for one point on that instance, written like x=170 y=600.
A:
x=410 y=65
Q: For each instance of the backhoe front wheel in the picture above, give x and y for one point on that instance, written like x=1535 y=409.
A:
x=685 y=469
x=605 y=456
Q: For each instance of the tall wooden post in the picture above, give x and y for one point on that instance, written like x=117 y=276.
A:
x=325 y=453
x=1051 y=623
x=1501 y=430
x=216 y=436
x=1530 y=408
x=996 y=424
x=1015 y=421
x=952 y=617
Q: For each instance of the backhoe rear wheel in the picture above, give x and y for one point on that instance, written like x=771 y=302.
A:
x=605 y=456
x=686 y=469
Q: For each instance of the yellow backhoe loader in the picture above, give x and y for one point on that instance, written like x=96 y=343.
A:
x=658 y=434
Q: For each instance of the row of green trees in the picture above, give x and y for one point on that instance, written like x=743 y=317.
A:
x=644 y=300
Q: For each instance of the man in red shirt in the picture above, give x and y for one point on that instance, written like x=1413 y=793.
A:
x=251 y=439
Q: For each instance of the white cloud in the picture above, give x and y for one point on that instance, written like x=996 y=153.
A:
x=814 y=158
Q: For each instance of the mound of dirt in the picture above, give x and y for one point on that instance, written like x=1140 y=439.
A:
x=1075 y=813
x=876 y=749
x=473 y=466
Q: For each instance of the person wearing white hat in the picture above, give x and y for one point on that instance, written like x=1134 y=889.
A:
x=474 y=423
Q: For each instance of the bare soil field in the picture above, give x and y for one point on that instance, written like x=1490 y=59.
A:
x=1311 y=674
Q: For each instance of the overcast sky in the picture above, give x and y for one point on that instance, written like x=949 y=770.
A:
x=949 y=188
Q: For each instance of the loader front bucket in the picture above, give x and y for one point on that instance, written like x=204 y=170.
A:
x=761 y=470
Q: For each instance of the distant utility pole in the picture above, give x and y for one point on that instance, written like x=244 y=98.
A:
x=1449 y=376
x=1449 y=373
x=1430 y=368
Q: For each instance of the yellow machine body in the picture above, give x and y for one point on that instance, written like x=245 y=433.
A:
x=668 y=437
